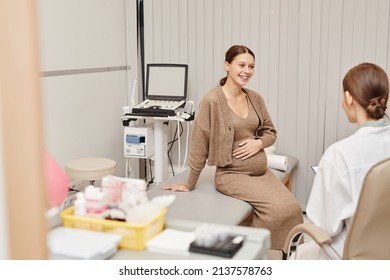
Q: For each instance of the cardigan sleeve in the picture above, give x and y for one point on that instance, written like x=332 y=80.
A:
x=268 y=135
x=199 y=144
x=266 y=131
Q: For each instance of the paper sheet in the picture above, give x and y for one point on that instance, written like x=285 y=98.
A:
x=73 y=243
x=171 y=241
x=277 y=162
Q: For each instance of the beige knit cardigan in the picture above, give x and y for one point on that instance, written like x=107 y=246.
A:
x=213 y=132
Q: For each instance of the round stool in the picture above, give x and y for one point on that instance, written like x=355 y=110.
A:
x=90 y=168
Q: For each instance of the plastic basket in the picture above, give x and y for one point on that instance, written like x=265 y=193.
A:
x=134 y=236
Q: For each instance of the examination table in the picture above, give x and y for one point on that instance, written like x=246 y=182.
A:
x=206 y=204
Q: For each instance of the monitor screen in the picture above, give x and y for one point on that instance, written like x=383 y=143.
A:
x=166 y=81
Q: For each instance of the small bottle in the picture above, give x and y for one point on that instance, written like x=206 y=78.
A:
x=79 y=204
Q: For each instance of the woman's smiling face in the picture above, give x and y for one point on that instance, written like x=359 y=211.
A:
x=241 y=69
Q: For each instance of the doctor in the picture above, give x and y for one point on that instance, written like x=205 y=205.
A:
x=341 y=171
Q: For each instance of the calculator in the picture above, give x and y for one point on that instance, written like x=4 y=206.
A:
x=226 y=248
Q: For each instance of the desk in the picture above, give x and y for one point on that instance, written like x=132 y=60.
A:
x=256 y=245
x=160 y=144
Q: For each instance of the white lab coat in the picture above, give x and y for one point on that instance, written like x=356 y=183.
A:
x=338 y=182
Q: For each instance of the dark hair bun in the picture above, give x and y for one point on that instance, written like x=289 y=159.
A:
x=376 y=108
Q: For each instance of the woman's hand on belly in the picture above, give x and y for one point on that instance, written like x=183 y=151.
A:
x=176 y=188
x=247 y=148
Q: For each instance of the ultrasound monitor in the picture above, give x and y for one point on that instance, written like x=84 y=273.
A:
x=166 y=81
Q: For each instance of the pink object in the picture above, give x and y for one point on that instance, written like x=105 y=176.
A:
x=57 y=181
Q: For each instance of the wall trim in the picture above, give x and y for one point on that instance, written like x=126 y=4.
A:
x=83 y=71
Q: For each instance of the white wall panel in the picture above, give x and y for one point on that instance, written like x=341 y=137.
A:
x=82 y=116
x=382 y=32
x=83 y=110
x=209 y=35
x=227 y=22
x=333 y=75
x=271 y=58
x=217 y=46
x=81 y=34
x=303 y=49
x=347 y=46
x=191 y=59
x=303 y=101
x=259 y=38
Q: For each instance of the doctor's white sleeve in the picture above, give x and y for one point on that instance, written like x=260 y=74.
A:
x=330 y=201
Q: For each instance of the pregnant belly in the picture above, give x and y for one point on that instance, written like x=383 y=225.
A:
x=256 y=165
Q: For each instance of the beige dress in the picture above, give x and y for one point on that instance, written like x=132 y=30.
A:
x=275 y=208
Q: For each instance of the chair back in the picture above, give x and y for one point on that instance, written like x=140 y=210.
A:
x=368 y=237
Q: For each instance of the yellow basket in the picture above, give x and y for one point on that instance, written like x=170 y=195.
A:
x=134 y=236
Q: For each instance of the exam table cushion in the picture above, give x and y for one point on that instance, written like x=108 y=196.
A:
x=205 y=203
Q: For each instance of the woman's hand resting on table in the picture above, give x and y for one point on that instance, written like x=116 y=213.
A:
x=176 y=188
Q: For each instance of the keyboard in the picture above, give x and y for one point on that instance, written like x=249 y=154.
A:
x=158 y=108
